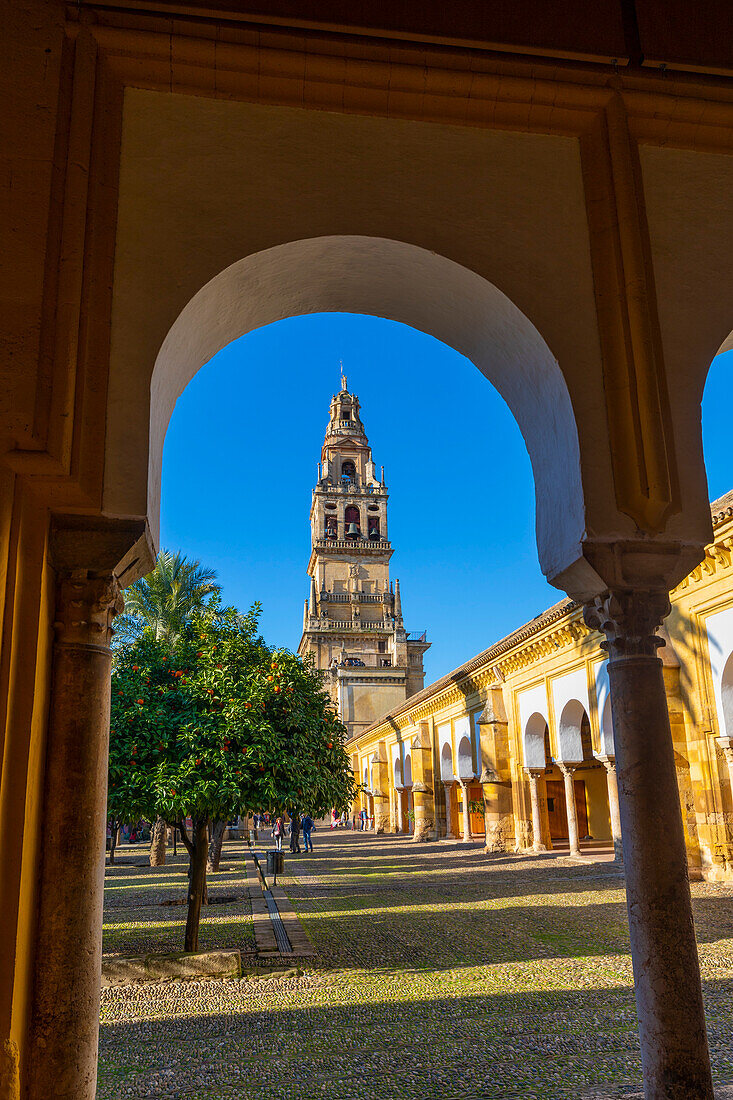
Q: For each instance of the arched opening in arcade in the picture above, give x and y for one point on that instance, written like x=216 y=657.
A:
x=445 y=300
x=577 y=768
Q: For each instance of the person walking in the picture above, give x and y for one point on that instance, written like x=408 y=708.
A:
x=277 y=832
x=307 y=824
x=295 y=834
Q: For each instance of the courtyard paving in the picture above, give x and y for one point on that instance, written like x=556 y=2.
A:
x=441 y=973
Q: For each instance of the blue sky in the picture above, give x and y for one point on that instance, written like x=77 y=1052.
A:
x=240 y=464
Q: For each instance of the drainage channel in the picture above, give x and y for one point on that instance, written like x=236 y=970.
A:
x=283 y=943
x=281 y=937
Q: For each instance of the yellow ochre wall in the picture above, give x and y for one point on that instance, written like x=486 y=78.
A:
x=496 y=685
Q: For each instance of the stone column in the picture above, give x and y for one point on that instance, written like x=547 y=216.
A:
x=423 y=799
x=380 y=777
x=674 y=1046
x=449 y=834
x=424 y=809
x=534 y=795
x=466 y=838
x=400 y=815
x=64 y=1024
x=381 y=812
x=568 y=771
x=609 y=763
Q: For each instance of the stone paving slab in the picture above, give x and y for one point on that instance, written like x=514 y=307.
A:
x=299 y=940
x=264 y=932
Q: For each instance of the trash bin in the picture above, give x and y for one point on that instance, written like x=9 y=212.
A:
x=275 y=863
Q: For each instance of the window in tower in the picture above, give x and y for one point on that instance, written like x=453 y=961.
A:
x=382 y=647
x=374 y=527
x=348 y=470
x=330 y=527
x=352 y=522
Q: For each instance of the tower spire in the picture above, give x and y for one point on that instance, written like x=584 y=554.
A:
x=397 y=601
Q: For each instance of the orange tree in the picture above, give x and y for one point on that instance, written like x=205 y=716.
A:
x=216 y=725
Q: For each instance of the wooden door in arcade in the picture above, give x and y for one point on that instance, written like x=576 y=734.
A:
x=476 y=809
x=556 y=813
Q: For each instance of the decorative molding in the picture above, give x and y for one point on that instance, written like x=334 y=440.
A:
x=718 y=557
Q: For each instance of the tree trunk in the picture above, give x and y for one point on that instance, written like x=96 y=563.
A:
x=197 y=881
x=158 y=837
x=217 y=836
x=113 y=842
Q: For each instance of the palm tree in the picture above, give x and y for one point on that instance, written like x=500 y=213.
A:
x=162 y=602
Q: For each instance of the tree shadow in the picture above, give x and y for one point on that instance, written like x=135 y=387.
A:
x=453 y=1043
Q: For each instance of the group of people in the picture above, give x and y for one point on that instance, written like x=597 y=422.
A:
x=301 y=823
x=362 y=820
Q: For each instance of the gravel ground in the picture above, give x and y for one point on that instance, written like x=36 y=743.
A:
x=442 y=973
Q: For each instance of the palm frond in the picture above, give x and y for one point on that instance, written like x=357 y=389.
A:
x=162 y=602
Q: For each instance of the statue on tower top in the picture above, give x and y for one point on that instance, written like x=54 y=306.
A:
x=344 y=380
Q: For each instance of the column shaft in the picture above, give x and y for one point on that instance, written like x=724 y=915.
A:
x=64 y=1025
x=669 y=1003
x=466 y=815
x=572 y=813
x=613 y=807
x=534 y=795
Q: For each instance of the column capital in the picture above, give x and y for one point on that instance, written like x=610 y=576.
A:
x=535 y=773
x=629 y=618
x=85 y=608
x=567 y=768
x=609 y=762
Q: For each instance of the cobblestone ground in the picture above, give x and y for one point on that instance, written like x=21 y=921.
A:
x=442 y=973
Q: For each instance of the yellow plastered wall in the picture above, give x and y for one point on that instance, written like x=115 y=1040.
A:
x=25 y=684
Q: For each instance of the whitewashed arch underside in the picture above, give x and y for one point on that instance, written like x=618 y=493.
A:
x=401 y=282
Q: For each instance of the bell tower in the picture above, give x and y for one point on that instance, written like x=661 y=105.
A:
x=352 y=620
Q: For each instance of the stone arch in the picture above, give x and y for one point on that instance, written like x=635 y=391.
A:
x=447 y=770
x=726 y=695
x=569 y=735
x=407 y=771
x=534 y=741
x=384 y=278
x=465 y=759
